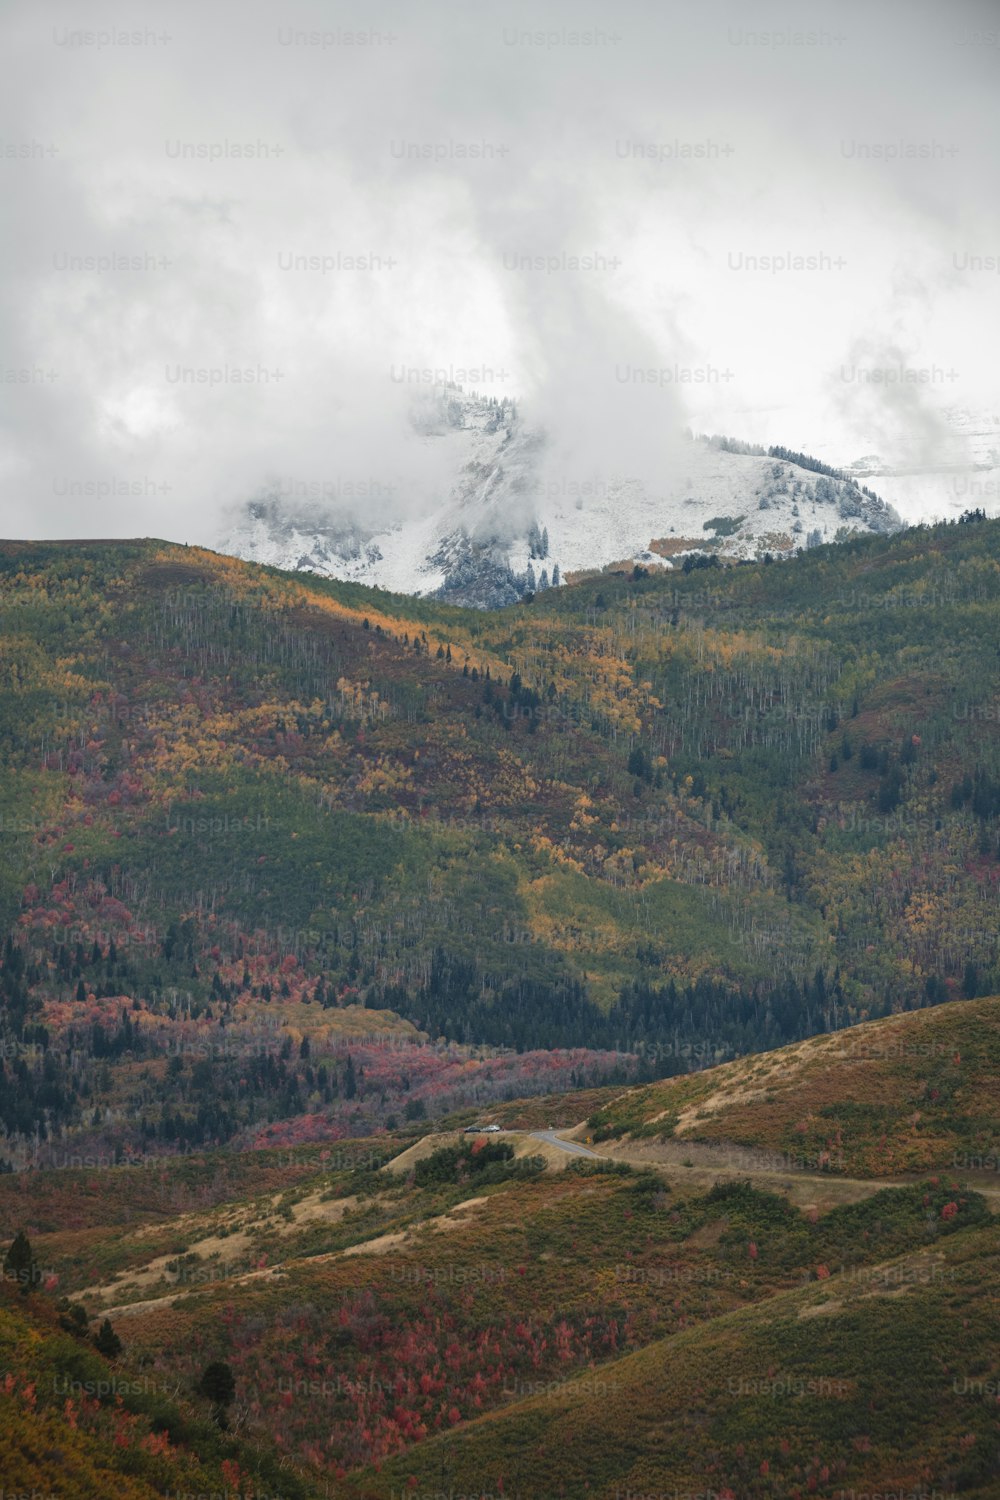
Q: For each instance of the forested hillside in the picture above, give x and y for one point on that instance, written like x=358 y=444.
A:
x=287 y=858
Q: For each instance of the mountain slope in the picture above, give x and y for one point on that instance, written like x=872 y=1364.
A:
x=283 y=856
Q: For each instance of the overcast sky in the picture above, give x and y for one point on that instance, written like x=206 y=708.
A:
x=419 y=180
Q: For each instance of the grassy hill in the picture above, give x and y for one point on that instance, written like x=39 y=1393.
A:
x=461 y=1309
x=882 y=1385
x=362 y=1317
x=74 y=1423
x=910 y=1093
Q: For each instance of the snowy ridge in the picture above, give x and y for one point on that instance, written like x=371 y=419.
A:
x=496 y=525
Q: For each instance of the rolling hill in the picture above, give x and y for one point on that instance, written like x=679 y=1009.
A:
x=824 y=1390
x=477 y=1317
x=910 y=1093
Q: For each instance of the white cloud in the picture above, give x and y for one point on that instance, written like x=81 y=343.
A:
x=448 y=151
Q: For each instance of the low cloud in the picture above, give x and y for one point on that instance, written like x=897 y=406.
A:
x=236 y=228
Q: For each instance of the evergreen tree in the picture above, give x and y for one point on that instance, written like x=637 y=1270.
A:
x=73 y=1320
x=107 y=1341
x=19 y=1263
x=218 y=1385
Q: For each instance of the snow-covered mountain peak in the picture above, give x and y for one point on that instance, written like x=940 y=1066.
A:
x=494 y=521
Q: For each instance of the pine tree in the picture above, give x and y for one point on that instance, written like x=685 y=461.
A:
x=19 y=1263
x=107 y=1341
x=218 y=1385
x=74 y=1320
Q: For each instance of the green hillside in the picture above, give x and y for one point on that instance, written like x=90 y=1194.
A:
x=279 y=852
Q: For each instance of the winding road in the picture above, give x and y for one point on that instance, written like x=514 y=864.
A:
x=573 y=1147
